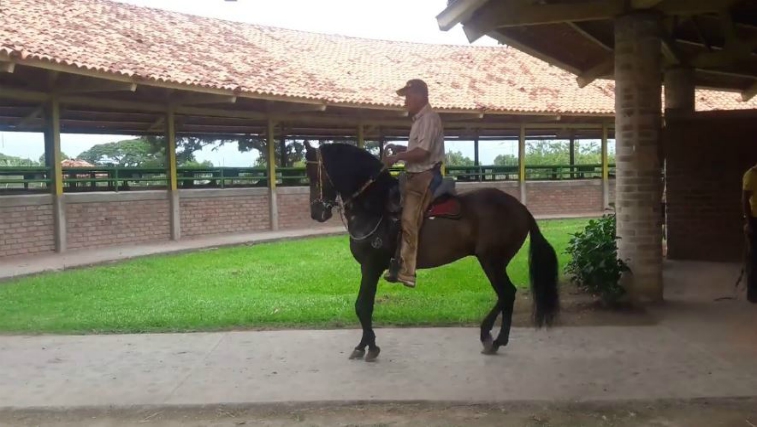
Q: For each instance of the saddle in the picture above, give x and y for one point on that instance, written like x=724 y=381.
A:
x=444 y=203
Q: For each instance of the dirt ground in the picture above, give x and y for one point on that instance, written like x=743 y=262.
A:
x=580 y=309
x=699 y=413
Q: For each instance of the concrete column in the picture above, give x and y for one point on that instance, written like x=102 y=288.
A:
x=638 y=92
x=53 y=163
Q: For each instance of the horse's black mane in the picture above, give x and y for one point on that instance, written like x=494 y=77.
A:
x=349 y=167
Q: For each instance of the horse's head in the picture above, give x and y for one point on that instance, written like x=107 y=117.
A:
x=322 y=192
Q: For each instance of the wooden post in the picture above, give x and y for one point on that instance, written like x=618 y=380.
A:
x=522 y=163
x=173 y=182
x=605 y=170
x=283 y=148
x=572 y=158
x=381 y=143
x=53 y=158
x=476 y=159
x=273 y=208
x=360 y=136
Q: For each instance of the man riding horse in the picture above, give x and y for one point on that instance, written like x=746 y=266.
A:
x=423 y=158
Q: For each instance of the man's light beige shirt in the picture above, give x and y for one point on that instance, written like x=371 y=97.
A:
x=426 y=133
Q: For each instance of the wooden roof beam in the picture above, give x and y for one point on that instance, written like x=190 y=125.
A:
x=7 y=67
x=276 y=107
x=457 y=12
x=518 y=13
x=603 y=68
x=95 y=86
x=509 y=41
x=203 y=99
x=749 y=93
x=35 y=114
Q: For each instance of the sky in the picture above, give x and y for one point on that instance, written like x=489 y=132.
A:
x=402 y=20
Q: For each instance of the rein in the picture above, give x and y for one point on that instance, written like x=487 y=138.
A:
x=339 y=202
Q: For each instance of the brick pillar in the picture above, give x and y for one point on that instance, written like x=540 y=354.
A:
x=638 y=108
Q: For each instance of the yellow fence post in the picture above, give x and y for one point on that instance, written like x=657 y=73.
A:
x=522 y=163
x=173 y=182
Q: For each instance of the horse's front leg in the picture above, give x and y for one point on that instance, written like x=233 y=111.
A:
x=364 y=309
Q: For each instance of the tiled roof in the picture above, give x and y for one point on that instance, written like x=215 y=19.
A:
x=158 y=45
x=75 y=163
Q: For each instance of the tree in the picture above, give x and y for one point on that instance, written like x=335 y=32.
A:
x=506 y=160
x=11 y=161
x=456 y=158
x=127 y=153
x=63 y=156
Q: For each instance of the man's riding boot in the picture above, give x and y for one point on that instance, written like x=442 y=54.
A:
x=417 y=198
x=394 y=263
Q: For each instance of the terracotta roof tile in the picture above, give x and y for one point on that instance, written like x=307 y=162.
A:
x=158 y=45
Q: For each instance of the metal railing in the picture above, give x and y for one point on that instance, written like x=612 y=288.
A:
x=24 y=179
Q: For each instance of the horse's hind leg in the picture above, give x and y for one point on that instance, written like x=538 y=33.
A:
x=508 y=303
x=495 y=271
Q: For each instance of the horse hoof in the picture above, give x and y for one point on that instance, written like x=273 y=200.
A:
x=489 y=347
x=372 y=354
x=357 y=354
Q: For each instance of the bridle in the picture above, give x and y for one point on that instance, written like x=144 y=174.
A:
x=339 y=203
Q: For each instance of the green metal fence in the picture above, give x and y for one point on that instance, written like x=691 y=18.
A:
x=24 y=179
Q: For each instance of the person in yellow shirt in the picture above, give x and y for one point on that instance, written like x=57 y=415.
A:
x=749 y=210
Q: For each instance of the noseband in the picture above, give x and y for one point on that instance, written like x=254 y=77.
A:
x=331 y=203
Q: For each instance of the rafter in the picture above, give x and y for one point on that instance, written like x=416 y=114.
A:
x=26 y=120
x=588 y=35
x=203 y=99
x=518 y=13
x=603 y=68
x=96 y=86
x=457 y=12
x=7 y=66
x=509 y=41
x=749 y=93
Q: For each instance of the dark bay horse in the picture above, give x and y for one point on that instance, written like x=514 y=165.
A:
x=489 y=224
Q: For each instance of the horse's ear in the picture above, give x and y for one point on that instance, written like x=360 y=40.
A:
x=307 y=145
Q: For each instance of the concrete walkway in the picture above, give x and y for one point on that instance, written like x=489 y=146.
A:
x=26 y=265
x=699 y=348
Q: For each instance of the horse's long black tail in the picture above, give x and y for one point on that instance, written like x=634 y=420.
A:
x=543 y=266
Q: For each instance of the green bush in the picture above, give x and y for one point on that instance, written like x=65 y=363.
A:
x=595 y=266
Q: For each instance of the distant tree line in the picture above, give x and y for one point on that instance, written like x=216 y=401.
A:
x=150 y=151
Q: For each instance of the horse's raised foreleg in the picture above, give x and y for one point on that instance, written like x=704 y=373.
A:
x=364 y=309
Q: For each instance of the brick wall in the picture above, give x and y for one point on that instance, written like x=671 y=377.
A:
x=104 y=219
x=705 y=161
x=294 y=209
x=556 y=198
x=511 y=188
x=206 y=212
x=26 y=225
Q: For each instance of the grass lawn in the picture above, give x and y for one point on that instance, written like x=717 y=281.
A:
x=307 y=283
